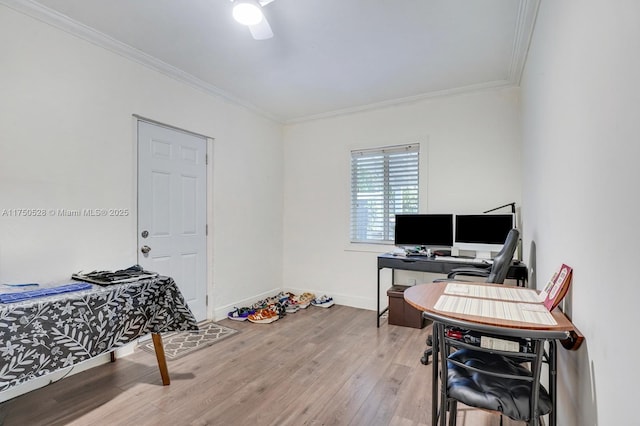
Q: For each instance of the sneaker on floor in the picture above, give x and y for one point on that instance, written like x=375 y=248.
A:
x=240 y=314
x=282 y=296
x=264 y=316
x=280 y=308
x=323 y=301
x=291 y=308
x=260 y=304
x=291 y=304
x=268 y=301
x=305 y=299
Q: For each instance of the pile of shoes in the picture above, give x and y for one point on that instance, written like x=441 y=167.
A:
x=275 y=307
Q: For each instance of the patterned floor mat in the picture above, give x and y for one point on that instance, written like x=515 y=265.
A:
x=179 y=344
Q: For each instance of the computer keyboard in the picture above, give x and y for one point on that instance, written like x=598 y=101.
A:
x=472 y=260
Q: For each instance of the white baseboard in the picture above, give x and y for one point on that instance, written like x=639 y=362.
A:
x=221 y=312
x=340 y=299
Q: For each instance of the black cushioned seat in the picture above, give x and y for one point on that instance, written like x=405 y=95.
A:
x=476 y=389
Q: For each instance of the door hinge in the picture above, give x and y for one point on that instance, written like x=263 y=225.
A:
x=206 y=230
x=206 y=300
x=206 y=159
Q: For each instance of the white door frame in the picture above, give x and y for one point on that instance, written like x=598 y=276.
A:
x=209 y=200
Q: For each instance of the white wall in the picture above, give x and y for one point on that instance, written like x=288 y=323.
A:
x=67 y=141
x=581 y=109
x=470 y=161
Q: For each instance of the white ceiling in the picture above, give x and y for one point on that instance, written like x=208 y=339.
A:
x=326 y=57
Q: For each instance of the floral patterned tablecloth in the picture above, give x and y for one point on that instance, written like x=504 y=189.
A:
x=42 y=335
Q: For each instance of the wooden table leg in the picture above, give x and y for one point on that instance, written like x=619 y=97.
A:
x=162 y=361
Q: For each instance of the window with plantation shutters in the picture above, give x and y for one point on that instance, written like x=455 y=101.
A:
x=384 y=182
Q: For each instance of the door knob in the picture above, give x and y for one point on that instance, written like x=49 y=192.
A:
x=145 y=249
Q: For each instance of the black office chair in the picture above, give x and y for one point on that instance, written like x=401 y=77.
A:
x=506 y=382
x=496 y=274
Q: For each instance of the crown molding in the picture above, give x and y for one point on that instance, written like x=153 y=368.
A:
x=492 y=85
x=525 y=24
x=58 y=20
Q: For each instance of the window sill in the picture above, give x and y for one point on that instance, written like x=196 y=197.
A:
x=369 y=248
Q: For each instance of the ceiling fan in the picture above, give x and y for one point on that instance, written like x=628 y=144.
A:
x=249 y=13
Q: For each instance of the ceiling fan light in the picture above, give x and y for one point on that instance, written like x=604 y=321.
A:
x=247 y=13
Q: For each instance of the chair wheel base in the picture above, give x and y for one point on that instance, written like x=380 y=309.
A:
x=425 y=357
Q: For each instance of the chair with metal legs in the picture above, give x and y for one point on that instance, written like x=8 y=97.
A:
x=503 y=381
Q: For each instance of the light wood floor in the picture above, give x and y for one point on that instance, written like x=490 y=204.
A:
x=315 y=367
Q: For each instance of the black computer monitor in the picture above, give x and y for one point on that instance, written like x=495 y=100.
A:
x=482 y=233
x=428 y=230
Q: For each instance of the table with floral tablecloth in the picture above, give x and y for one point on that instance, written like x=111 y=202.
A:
x=42 y=335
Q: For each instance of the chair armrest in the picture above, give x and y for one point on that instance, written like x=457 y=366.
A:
x=471 y=272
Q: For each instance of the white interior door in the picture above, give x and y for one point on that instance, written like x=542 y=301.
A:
x=172 y=209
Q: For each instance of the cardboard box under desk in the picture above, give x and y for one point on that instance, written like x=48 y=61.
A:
x=400 y=312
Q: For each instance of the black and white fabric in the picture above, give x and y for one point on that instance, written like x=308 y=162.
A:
x=42 y=335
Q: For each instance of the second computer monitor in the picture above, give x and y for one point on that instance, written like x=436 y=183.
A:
x=482 y=233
